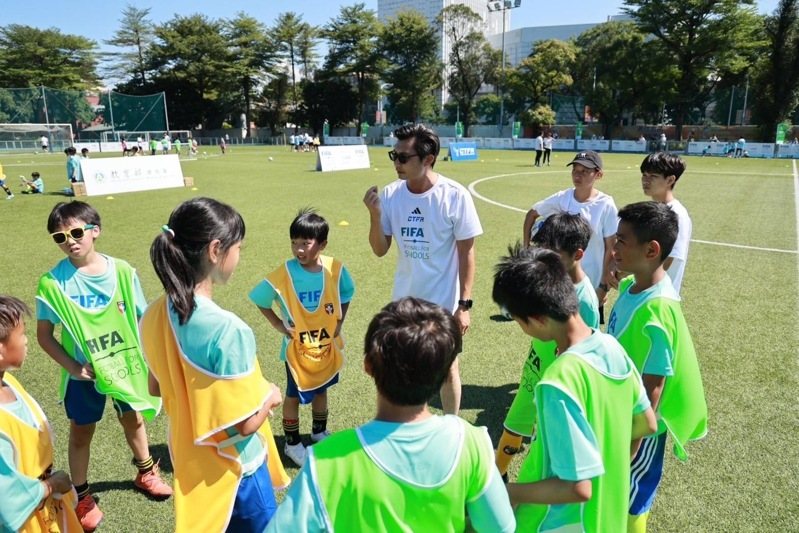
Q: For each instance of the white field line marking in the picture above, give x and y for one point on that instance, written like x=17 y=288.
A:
x=472 y=189
x=796 y=201
x=730 y=245
x=182 y=160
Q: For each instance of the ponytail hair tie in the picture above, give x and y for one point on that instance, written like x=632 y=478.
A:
x=167 y=229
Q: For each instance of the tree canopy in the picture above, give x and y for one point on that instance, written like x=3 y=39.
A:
x=30 y=57
x=472 y=61
x=353 y=53
x=135 y=35
x=703 y=41
x=414 y=71
x=676 y=60
x=777 y=73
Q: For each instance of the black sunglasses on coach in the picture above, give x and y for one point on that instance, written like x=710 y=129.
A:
x=77 y=233
x=402 y=158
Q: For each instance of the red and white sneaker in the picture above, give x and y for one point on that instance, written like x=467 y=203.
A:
x=151 y=484
x=88 y=513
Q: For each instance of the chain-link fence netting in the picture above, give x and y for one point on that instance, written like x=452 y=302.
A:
x=89 y=112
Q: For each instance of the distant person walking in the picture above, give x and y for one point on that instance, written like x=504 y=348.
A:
x=739 y=147
x=539 y=149
x=548 y=148
x=73 y=166
x=663 y=144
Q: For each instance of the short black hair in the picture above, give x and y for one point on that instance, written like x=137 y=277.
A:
x=410 y=346
x=309 y=225
x=664 y=163
x=35 y=174
x=70 y=150
x=12 y=311
x=652 y=221
x=427 y=142
x=533 y=282
x=76 y=210
x=563 y=232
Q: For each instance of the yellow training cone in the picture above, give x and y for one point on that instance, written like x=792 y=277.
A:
x=109 y=197
x=194 y=189
x=343 y=223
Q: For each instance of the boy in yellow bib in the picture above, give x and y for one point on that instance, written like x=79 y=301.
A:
x=35 y=499
x=312 y=293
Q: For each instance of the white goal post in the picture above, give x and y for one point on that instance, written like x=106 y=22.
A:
x=31 y=137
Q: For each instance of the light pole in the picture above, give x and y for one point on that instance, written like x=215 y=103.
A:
x=502 y=6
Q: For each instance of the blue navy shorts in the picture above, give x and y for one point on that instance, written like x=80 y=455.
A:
x=84 y=405
x=307 y=396
x=645 y=473
x=255 y=503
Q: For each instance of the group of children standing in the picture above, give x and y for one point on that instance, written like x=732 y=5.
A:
x=589 y=400
x=600 y=398
x=199 y=358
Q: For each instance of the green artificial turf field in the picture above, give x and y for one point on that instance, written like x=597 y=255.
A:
x=740 y=302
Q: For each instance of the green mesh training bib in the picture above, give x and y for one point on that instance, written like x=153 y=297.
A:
x=682 y=410
x=359 y=496
x=608 y=405
x=108 y=337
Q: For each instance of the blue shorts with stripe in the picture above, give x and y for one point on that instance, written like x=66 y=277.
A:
x=307 y=396
x=645 y=473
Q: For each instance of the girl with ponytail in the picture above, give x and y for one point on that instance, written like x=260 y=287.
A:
x=203 y=363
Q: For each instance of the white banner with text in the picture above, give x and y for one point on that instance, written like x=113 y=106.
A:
x=111 y=175
x=347 y=157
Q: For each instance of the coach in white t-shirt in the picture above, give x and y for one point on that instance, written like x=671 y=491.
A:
x=596 y=207
x=434 y=222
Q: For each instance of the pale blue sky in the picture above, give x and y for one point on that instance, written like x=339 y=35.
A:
x=98 y=19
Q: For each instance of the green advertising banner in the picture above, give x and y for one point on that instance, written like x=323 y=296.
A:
x=364 y=129
x=782 y=132
x=459 y=129
x=517 y=129
x=326 y=129
x=578 y=131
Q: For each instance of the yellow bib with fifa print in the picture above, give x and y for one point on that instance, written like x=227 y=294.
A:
x=315 y=353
